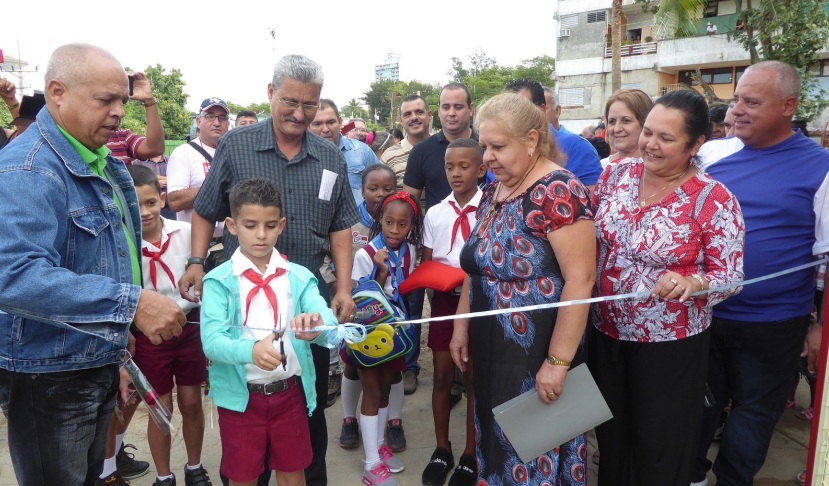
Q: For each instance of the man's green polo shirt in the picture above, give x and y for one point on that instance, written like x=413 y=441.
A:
x=97 y=161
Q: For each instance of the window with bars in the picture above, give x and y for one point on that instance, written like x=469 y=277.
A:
x=573 y=97
x=598 y=16
x=568 y=21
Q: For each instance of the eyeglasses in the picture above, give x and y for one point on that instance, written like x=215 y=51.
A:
x=211 y=117
x=293 y=105
x=359 y=129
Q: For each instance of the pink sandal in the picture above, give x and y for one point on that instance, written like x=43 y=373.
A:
x=791 y=404
x=806 y=414
x=801 y=478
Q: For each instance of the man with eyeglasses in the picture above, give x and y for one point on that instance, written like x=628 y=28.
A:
x=359 y=132
x=317 y=201
x=190 y=163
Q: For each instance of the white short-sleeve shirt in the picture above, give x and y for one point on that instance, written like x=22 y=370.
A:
x=438 y=226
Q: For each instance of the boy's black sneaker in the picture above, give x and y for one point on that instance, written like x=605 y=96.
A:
x=112 y=480
x=466 y=474
x=127 y=466
x=439 y=466
x=196 y=477
x=349 y=435
x=165 y=482
x=395 y=436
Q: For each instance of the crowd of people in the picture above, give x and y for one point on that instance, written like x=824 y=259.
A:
x=244 y=286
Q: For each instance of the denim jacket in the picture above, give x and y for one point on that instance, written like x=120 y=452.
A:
x=221 y=334
x=64 y=260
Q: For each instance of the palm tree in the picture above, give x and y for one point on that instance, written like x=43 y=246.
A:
x=678 y=18
x=616 y=46
x=352 y=109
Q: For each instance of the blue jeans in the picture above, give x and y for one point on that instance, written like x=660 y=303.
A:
x=752 y=364
x=415 y=304
x=58 y=423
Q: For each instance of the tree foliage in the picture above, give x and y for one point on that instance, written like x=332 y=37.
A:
x=353 y=109
x=383 y=99
x=168 y=89
x=674 y=18
x=793 y=32
x=263 y=108
x=5 y=116
x=486 y=82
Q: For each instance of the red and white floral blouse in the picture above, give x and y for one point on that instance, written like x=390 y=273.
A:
x=696 y=229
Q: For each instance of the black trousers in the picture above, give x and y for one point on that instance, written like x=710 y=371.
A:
x=655 y=392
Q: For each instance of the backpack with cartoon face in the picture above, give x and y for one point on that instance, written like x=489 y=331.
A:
x=385 y=339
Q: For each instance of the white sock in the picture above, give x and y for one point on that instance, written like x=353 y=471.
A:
x=368 y=429
x=351 y=391
x=110 y=466
x=382 y=417
x=192 y=468
x=119 y=439
x=163 y=478
x=396 y=400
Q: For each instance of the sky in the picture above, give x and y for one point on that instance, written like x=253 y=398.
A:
x=229 y=52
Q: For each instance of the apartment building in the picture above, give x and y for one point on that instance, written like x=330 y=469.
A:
x=656 y=66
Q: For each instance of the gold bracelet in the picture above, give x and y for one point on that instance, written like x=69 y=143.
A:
x=149 y=103
x=557 y=362
x=699 y=278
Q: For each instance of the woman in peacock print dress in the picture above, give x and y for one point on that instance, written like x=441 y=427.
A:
x=533 y=245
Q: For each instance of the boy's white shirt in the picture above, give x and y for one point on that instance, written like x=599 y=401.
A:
x=438 y=225
x=175 y=257
x=261 y=314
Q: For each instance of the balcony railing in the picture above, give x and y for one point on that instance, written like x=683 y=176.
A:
x=667 y=88
x=633 y=49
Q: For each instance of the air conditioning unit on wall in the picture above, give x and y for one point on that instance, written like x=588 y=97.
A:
x=563 y=33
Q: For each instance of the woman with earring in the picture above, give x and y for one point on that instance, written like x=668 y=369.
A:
x=534 y=243
x=665 y=228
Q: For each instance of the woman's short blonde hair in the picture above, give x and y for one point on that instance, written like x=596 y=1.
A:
x=518 y=116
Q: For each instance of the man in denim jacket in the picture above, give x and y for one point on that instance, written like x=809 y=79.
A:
x=70 y=273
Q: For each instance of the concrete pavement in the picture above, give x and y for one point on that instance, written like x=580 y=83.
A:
x=787 y=455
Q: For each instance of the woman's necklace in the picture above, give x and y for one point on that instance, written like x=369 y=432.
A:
x=496 y=202
x=644 y=201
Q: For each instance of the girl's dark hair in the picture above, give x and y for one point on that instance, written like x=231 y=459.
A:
x=717 y=112
x=375 y=167
x=694 y=109
x=415 y=236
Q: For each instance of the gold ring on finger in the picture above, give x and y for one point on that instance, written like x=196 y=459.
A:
x=673 y=281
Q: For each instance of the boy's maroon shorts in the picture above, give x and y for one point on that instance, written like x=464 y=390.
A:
x=276 y=425
x=440 y=332
x=181 y=357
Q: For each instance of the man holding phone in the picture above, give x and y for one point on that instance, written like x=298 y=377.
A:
x=129 y=146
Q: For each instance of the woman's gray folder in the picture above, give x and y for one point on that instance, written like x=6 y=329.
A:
x=535 y=428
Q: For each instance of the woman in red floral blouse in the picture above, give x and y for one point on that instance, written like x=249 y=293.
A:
x=666 y=228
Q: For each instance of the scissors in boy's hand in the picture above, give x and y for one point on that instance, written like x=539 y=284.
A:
x=279 y=331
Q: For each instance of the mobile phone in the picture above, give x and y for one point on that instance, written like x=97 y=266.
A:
x=131 y=79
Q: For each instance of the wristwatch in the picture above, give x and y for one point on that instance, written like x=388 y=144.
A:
x=194 y=261
x=557 y=362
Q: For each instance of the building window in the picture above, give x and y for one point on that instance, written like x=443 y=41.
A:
x=569 y=21
x=598 y=16
x=573 y=97
x=820 y=69
x=710 y=76
x=711 y=9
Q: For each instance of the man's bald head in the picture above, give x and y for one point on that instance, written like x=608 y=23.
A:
x=86 y=90
x=70 y=63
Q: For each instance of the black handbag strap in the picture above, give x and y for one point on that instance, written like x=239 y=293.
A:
x=202 y=151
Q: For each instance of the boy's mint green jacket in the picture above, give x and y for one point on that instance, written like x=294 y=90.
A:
x=221 y=330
